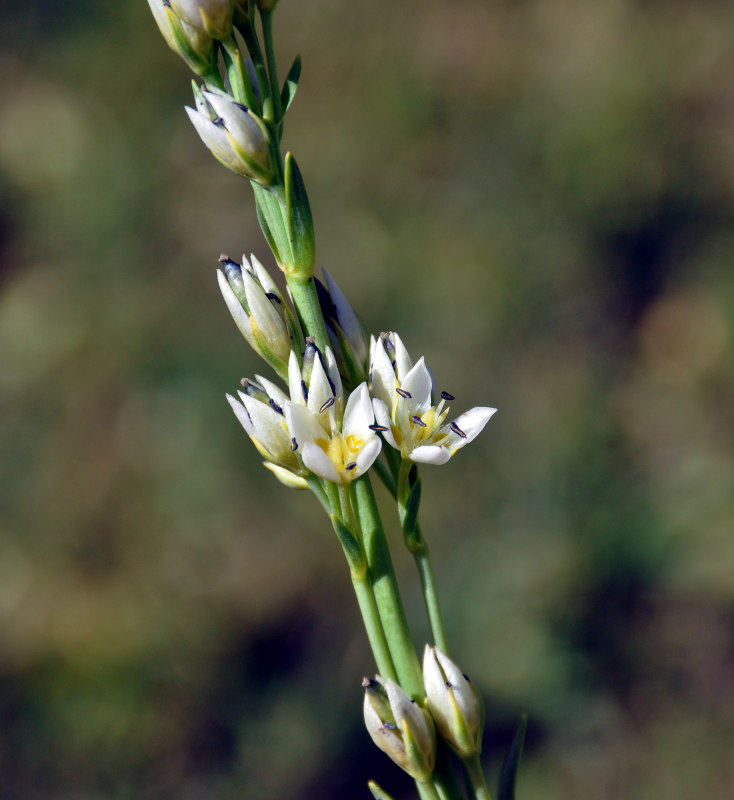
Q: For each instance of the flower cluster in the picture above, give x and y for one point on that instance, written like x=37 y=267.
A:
x=312 y=428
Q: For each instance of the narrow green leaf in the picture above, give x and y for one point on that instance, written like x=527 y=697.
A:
x=411 y=516
x=377 y=792
x=300 y=221
x=352 y=548
x=508 y=774
x=269 y=211
x=290 y=85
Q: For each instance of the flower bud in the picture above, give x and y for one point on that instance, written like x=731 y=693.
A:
x=212 y=16
x=192 y=44
x=400 y=727
x=453 y=702
x=235 y=136
x=258 y=310
x=346 y=335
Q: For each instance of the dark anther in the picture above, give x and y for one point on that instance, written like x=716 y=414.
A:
x=331 y=385
x=457 y=430
x=416 y=420
x=218 y=121
x=448 y=684
x=466 y=677
x=275 y=406
x=351 y=466
x=239 y=105
x=272 y=296
x=390 y=726
x=377 y=427
x=225 y=259
x=447 y=396
x=294 y=444
x=304 y=390
x=326 y=404
x=403 y=393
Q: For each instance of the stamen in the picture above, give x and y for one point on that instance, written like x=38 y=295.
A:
x=457 y=430
x=416 y=420
x=327 y=404
x=447 y=396
x=294 y=444
x=304 y=390
x=239 y=105
x=273 y=296
x=377 y=427
x=448 y=684
x=351 y=466
x=403 y=393
x=275 y=406
x=331 y=385
x=224 y=260
x=390 y=726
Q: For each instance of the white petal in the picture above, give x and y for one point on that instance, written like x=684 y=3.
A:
x=435 y=683
x=367 y=455
x=242 y=415
x=418 y=384
x=383 y=375
x=358 y=414
x=319 y=388
x=382 y=417
x=430 y=454
x=265 y=316
x=263 y=276
x=319 y=463
x=215 y=138
x=274 y=391
x=402 y=359
x=285 y=476
x=294 y=379
x=333 y=371
x=302 y=424
x=471 y=423
x=239 y=315
x=270 y=428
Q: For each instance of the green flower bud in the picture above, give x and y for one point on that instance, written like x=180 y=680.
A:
x=212 y=16
x=454 y=703
x=192 y=44
x=400 y=727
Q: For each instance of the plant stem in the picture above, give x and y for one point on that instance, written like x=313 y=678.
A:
x=427 y=791
x=417 y=545
x=476 y=777
x=307 y=306
x=387 y=595
x=267 y=23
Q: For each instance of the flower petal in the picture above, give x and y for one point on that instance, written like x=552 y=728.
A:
x=418 y=384
x=358 y=414
x=239 y=315
x=367 y=455
x=471 y=423
x=303 y=425
x=430 y=454
x=242 y=415
x=382 y=417
x=383 y=375
x=294 y=379
x=403 y=361
x=319 y=463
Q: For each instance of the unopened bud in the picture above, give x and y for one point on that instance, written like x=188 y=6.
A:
x=192 y=44
x=235 y=136
x=212 y=16
x=454 y=703
x=400 y=727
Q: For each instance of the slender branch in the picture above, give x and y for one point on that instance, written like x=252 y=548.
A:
x=476 y=777
x=267 y=23
x=387 y=595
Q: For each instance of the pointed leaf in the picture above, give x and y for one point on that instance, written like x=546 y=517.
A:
x=290 y=85
x=377 y=792
x=300 y=221
x=508 y=774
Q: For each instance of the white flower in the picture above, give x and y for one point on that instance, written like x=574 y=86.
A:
x=260 y=412
x=334 y=445
x=404 y=409
x=453 y=702
x=236 y=137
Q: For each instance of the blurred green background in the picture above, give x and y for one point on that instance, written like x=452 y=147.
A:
x=539 y=197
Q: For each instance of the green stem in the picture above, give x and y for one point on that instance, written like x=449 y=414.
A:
x=417 y=545
x=267 y=23
x=387 y=595
x=307 y=306
x=427 y=791
x=476 y=777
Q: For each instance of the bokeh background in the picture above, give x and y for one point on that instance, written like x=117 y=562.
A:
x=539 y=196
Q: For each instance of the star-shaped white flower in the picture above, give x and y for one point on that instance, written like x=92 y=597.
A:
x=404 y=410
x=334 y=445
